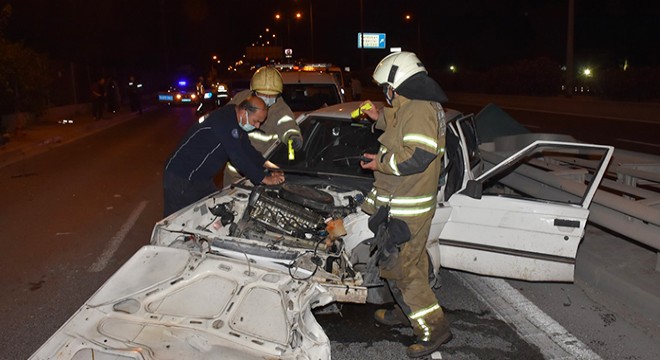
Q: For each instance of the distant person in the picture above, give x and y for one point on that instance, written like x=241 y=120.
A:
x=98 y=98
x=112 y=95
x=199 y=88
x=134 y=95
x=266 y=83
x=206 y=148
x=356 y=88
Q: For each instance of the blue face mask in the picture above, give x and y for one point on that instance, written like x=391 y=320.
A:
x=247 y=126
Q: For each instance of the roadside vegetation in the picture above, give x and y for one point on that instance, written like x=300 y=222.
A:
x=24 y=74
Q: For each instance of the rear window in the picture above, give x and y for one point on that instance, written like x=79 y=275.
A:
x=307 y=97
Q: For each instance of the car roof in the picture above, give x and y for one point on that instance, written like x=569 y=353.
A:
x=343 y=110
x=307 y=77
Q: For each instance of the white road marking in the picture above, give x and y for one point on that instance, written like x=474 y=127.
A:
x=532 y=324
x=113 y=245
x=638 y=142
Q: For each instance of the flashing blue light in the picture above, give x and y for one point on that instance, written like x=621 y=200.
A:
x=183 y=83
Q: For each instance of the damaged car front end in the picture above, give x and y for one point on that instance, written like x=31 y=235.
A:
x=238 y=272
x=169 y=303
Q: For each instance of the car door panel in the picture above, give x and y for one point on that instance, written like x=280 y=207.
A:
x=513 y=236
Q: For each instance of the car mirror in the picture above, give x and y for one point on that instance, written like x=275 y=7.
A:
x=473 y=189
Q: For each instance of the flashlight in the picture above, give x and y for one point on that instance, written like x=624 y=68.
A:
x=356 y=113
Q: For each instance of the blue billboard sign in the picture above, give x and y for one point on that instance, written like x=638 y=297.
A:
x=371 y=40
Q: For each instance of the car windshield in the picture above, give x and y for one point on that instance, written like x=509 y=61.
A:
x=307 y=97
x=332 y=146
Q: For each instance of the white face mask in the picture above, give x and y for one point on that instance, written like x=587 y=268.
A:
x=388 y=98
x=247 y=126
x=269 y=100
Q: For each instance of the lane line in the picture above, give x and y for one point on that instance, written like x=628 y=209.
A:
x=638 y=142
x=116 y=240
x=530 y=322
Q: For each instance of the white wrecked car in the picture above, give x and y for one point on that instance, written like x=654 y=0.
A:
x=237 y=273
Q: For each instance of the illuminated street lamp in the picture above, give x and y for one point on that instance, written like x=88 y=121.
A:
x=298 y=16
x=279 y=17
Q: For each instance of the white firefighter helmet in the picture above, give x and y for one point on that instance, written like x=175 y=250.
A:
x=267 y=80
x=397 y=67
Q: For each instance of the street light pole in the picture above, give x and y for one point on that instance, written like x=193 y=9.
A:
x=419 y=37
x=288 y=28
x=569 y=49
x=311 y=27
x=409 y=17
x=362 y=35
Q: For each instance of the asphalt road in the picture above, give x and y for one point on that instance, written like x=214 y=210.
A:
x=73 y=215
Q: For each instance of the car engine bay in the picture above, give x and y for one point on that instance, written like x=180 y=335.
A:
x=299 y=229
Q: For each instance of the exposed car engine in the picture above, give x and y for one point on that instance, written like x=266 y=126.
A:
x=296 y=226
x=273 y=210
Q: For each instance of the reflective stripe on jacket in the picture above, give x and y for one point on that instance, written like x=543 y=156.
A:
x=409 y=160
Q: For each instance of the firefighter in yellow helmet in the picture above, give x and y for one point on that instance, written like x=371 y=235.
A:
x=266 y=83
x=406 y=173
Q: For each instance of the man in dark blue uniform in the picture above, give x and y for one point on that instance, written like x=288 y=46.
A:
x=207 y=147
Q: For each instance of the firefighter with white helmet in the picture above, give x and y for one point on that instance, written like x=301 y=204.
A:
x=266 y=83
x=406 y=172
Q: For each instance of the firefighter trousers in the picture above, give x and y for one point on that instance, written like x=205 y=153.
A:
x=408 y=276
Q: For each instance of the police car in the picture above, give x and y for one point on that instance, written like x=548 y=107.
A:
x=181 y=94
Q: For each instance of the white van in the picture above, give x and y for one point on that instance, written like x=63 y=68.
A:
x=310 y=90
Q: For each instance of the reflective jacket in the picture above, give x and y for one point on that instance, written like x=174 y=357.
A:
x=280 y=123
x=409 y=160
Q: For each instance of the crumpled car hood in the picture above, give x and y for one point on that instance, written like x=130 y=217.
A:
x=169 y=303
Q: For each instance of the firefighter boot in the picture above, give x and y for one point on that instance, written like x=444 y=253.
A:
x=391 y=317
x=432 y=331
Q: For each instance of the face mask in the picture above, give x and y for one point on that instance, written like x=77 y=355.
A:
x=247 y=126
x=269 y=100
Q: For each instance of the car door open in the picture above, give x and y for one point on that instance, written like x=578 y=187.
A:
x=491 y=230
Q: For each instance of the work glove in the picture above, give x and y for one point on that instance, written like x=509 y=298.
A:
x=297 y=142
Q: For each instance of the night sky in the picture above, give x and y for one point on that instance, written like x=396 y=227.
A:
x=473 y=33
